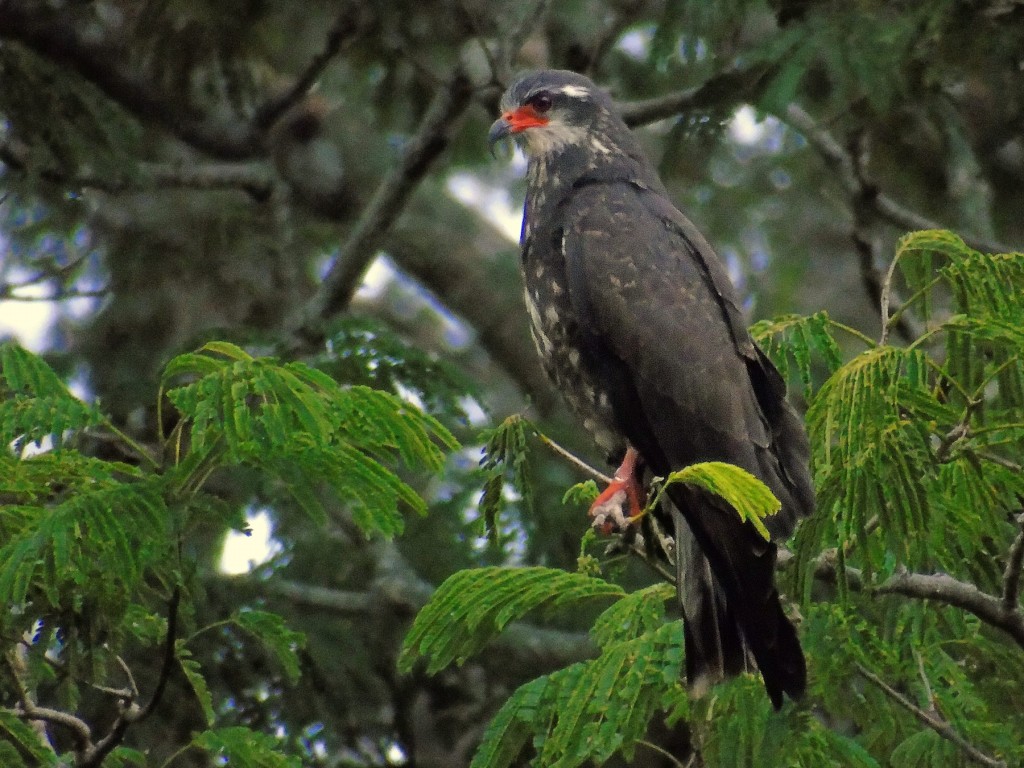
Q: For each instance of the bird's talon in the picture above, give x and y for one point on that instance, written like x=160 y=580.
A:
x=635 y=518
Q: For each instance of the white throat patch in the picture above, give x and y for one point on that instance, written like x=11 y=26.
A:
x=545 y=139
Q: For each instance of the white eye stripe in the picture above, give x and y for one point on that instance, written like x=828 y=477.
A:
x=573 y=91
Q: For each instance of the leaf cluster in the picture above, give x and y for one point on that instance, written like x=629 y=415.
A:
x=917 y=459
x=94 y=549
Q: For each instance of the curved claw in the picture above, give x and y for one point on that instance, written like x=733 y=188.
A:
x=621 y=504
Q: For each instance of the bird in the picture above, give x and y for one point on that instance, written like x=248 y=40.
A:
x=638 y=325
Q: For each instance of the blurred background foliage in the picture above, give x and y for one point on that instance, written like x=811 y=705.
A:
x=310 y=179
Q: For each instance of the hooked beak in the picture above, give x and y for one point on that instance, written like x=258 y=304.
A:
x=500 y=129
x=512 y=122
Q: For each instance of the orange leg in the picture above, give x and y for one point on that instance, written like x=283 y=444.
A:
x=622 y=503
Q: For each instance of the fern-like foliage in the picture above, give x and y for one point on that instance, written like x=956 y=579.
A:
x=917 y=450
x=591 y=710
x=295 y=423
x=749 y=497
x=792 y=339
x=35 y=403
x=93 y=551
x=595 y=709
x=504 y=457
x=472 y=606
x=244 y=748
x=913 y=442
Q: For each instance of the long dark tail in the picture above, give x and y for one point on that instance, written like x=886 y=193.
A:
x=733 y=618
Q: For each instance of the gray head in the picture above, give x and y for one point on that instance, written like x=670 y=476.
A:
x=551 y=109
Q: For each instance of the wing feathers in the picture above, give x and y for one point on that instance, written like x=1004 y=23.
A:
x=662 y=325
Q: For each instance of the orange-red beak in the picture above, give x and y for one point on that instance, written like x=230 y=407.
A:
x=512 y=122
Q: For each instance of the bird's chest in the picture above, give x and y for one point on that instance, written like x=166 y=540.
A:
x=563 y=349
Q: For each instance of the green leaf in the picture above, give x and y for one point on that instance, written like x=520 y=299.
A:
x=25 y=373
x=474 y=605
x=35 y=403
x=194 y=674
x=270 y=629
x=605 y=708
x=126 y=756
x=23 y=739
x=751 y=498
x=241 y=747
x=297 y=424
x=634 y=615
x=107 y=536
x=799 y=338
x=591 y=710
x=583 y=494
x=504 y=455
x=513 y=725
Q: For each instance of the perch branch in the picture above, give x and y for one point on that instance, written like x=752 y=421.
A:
x=839 y=160
x=572 y=458
x=388 y=200
x=130 y=711
x=27 y=709
x=937 y=724
x=341 y=31
x=1012 y=574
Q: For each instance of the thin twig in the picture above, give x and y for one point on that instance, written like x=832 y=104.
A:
x=664 y=752
x=28 y=710
x=925 y=681
x=879 y=288
x=132 y=713
x=1012 y=574
x=514 y=42
x=342 y=31
x=131 y=678
x=387 y=203
x=637 y=549
x=885 y=297
x=7 y=294
x=837 y=158
x=728 y=88
x=958 y=432
x=572 y=458
x=1001 y=461
x=940 y=726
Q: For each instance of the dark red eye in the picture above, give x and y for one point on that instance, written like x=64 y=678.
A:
x=541 y=102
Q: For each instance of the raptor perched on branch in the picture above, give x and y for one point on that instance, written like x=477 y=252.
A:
x=638 y=325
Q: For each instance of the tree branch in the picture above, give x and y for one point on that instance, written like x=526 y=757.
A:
x=345 y=25
x=572 y=458
x=939 y=587
x=387 y=203
x=253 y=178
x=727 y=88
x=28 y=710
x=324 y=598
x=1012 y=574
x=944 y=588
x=100 y=62
x=840 y=161
x=130 y=711
x=940 y=726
